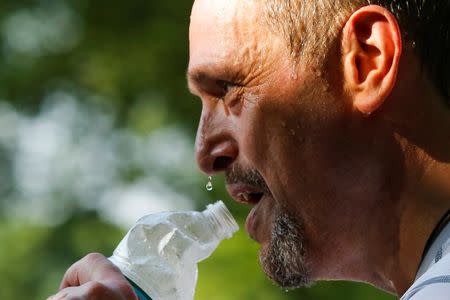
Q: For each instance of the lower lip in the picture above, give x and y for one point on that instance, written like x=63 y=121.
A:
x=250 y=223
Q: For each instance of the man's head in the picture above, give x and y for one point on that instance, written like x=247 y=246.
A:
x=290 y=92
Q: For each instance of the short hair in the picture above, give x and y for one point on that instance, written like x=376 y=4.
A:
x=310 y=27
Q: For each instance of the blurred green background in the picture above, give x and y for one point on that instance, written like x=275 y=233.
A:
x=97 y=129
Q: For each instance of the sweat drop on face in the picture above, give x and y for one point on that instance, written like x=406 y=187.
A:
x=159 y=255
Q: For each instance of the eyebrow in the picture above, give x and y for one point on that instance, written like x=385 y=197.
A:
x=198 y=78
x=200 y=75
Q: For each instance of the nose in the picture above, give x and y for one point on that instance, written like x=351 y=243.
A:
x=216 y=150
x=214 y=157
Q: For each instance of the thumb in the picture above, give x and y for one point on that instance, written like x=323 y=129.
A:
x=96 y=267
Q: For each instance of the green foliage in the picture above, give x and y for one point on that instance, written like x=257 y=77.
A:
x=33 y=258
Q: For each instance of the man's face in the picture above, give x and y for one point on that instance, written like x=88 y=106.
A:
x=284 y=139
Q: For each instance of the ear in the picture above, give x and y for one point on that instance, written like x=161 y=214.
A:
x=372 y=46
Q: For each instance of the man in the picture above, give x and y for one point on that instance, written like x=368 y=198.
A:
x=332 y=118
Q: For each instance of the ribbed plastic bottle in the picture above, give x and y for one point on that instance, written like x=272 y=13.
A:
x=159 y=255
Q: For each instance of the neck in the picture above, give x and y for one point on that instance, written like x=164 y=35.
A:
x=421 y=123
x=417 y=223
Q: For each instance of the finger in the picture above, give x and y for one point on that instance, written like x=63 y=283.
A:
x=92 y=290
x=64 y=294
x=97 y=268
x=93 y=267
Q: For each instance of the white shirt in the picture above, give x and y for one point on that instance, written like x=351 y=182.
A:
x=433 y=278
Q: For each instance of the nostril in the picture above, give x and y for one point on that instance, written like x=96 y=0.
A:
x=221 y=163
x=216 y=154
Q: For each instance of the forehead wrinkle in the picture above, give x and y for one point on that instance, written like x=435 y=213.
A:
x=235 y=41
x=256 y=41
x=242 y=30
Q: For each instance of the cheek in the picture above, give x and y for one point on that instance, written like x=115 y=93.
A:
x=272 y=141
x=295 y=146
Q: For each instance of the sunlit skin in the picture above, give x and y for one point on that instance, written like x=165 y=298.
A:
x=343 y=146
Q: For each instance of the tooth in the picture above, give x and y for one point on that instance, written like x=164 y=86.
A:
x=247 y=197
x=241 y=196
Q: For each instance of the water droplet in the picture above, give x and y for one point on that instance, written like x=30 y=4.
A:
x=283 y=124
x=209 y=185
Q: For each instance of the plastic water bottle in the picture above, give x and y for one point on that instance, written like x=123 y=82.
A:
x=159 y=255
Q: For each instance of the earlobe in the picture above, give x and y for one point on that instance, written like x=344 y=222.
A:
x=371 y=49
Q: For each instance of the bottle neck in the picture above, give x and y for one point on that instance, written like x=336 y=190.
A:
x=221 y=220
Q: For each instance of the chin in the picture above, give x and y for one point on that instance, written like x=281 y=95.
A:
x=284 y=258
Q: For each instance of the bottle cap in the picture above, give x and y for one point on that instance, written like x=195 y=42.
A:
x=222 y=221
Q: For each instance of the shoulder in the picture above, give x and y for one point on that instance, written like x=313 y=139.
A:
x=436 y=291
x=434 y=284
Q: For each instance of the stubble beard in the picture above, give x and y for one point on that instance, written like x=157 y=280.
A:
x=284 y=258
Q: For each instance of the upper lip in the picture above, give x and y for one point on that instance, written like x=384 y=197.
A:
x=244 y=193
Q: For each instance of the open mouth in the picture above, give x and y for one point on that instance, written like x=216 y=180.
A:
x=249 y=187
x=250 y=195
x=250 y=198
x=245 y=194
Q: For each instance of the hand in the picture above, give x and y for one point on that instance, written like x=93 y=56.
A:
x=94 y=277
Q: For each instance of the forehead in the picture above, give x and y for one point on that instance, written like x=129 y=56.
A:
x=226 y=30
